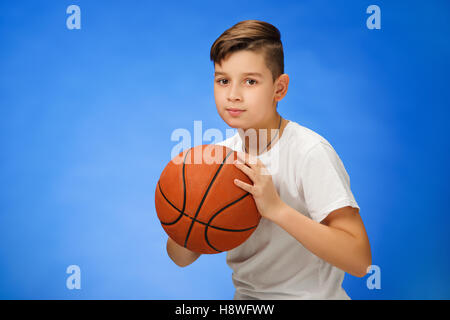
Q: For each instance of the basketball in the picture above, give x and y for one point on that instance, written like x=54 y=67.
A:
x=198 y=204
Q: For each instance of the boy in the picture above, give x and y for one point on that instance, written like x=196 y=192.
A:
x=310 y=232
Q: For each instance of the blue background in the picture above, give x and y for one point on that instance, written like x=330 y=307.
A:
x=86 y=118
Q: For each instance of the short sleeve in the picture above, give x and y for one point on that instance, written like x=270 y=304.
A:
x=325 y=182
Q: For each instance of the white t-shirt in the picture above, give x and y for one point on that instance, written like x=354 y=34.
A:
x=310 y=177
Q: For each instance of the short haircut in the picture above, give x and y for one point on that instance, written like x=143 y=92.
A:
x=254 y=35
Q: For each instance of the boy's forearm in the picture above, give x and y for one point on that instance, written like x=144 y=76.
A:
x=335 y=246
x=180 y=255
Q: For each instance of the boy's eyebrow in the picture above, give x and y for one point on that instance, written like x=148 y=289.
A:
x=245 y=74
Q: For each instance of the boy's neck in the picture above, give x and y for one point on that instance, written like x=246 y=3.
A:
x=255 y=140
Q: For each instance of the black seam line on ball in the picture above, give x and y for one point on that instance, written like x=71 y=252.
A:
x=204 y=196
x=184 y=197
x=199 y=221
x=216 y=214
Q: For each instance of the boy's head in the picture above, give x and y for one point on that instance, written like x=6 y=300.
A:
x=249 y=46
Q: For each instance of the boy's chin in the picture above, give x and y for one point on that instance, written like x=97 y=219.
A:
x=235 y=125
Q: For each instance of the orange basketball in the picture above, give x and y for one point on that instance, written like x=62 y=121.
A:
x=198 y=204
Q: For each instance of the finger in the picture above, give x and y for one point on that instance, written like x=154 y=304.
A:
x=248 y=171
x=244 y=186
x=253 y=162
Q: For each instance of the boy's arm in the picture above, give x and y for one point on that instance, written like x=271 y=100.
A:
x=339 y=239
x=180 y=255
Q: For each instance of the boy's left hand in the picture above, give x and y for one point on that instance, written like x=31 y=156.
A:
x=267 y=200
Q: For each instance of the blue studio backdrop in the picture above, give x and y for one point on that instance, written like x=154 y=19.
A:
x=87 y=113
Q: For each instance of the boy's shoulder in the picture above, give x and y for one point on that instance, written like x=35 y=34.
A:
x=303 y=139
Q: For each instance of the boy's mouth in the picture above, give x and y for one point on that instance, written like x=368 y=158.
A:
x=234 y=111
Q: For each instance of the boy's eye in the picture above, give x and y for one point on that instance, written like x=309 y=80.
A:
x=220 y=81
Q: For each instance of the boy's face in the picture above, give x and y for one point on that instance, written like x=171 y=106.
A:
x=254 y=94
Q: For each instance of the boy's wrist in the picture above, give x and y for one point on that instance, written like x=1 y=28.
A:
x=279 y=213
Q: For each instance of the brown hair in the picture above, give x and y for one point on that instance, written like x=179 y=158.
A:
x=254 y=35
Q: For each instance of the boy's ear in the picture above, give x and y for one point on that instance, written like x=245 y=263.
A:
x=281 y=86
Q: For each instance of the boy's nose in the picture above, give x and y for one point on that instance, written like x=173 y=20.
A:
x=234 y=94
x=234 y=98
